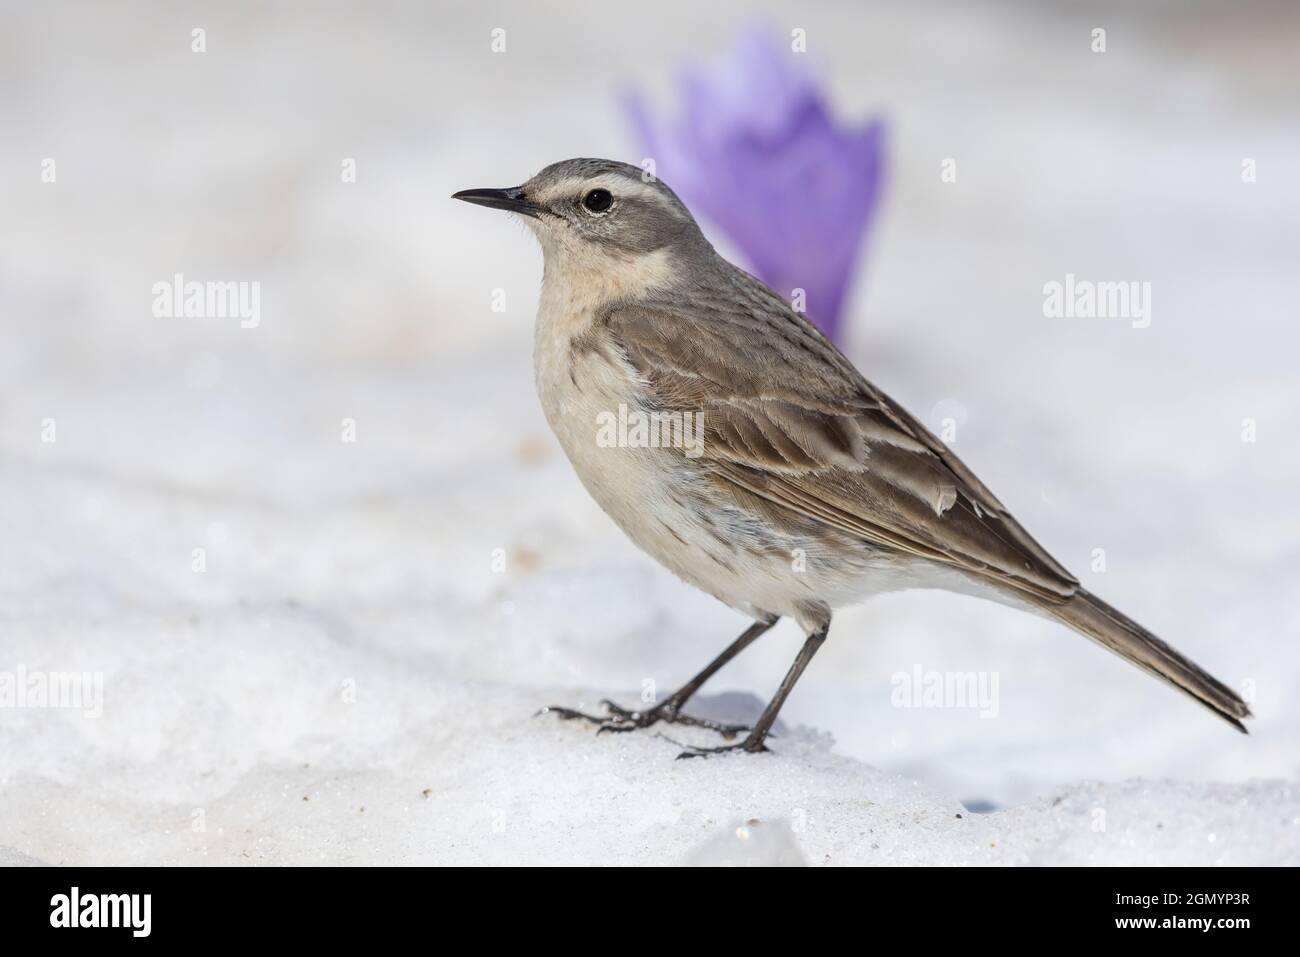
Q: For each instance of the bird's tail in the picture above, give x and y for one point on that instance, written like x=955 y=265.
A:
x=1090 y=616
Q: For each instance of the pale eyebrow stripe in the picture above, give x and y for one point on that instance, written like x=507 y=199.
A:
x=617 y=184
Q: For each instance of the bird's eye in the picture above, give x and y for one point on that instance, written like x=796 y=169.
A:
x=598 y=200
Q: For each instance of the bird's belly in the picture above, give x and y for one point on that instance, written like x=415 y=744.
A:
x=670 y=509
x=652 y=493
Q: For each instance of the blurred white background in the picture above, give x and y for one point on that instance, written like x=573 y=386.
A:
x=370 y=562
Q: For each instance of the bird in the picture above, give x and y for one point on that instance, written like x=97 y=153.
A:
x=788 y=485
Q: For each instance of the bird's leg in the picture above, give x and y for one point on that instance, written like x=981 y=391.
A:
x=754 y=741
x=670 y=709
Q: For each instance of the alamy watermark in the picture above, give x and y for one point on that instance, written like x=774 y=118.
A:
x=1085 y=299
x=973 y=690
x=179 y=299
x=74 y=690
x=638 y=429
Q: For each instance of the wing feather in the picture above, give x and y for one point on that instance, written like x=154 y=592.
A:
x=789 y=420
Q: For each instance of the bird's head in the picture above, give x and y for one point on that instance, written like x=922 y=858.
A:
x=597 y=215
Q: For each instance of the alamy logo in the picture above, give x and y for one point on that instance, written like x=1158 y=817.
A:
x=78 y=690
x=102 y=910
x=918 y=688
x=637 y=429
x=179 y=299
x=1085 y=299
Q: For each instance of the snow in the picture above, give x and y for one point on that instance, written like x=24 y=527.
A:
x=354 y=676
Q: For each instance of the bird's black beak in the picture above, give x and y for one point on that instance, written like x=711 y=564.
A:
x=512 y=199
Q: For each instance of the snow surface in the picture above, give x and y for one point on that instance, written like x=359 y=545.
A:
x=351 y=681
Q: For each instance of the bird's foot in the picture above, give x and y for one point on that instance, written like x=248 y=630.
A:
x=668 y=711
x=618 y=719
x=753 y=744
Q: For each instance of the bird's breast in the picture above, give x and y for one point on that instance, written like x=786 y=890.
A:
x=583 y=383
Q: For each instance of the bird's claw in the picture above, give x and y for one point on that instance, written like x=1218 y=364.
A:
x=748 y=745
x=619 y=720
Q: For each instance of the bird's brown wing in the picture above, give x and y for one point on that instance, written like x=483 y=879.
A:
x=788 y=419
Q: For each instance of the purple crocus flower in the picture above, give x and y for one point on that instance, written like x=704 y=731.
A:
x=757 y=153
